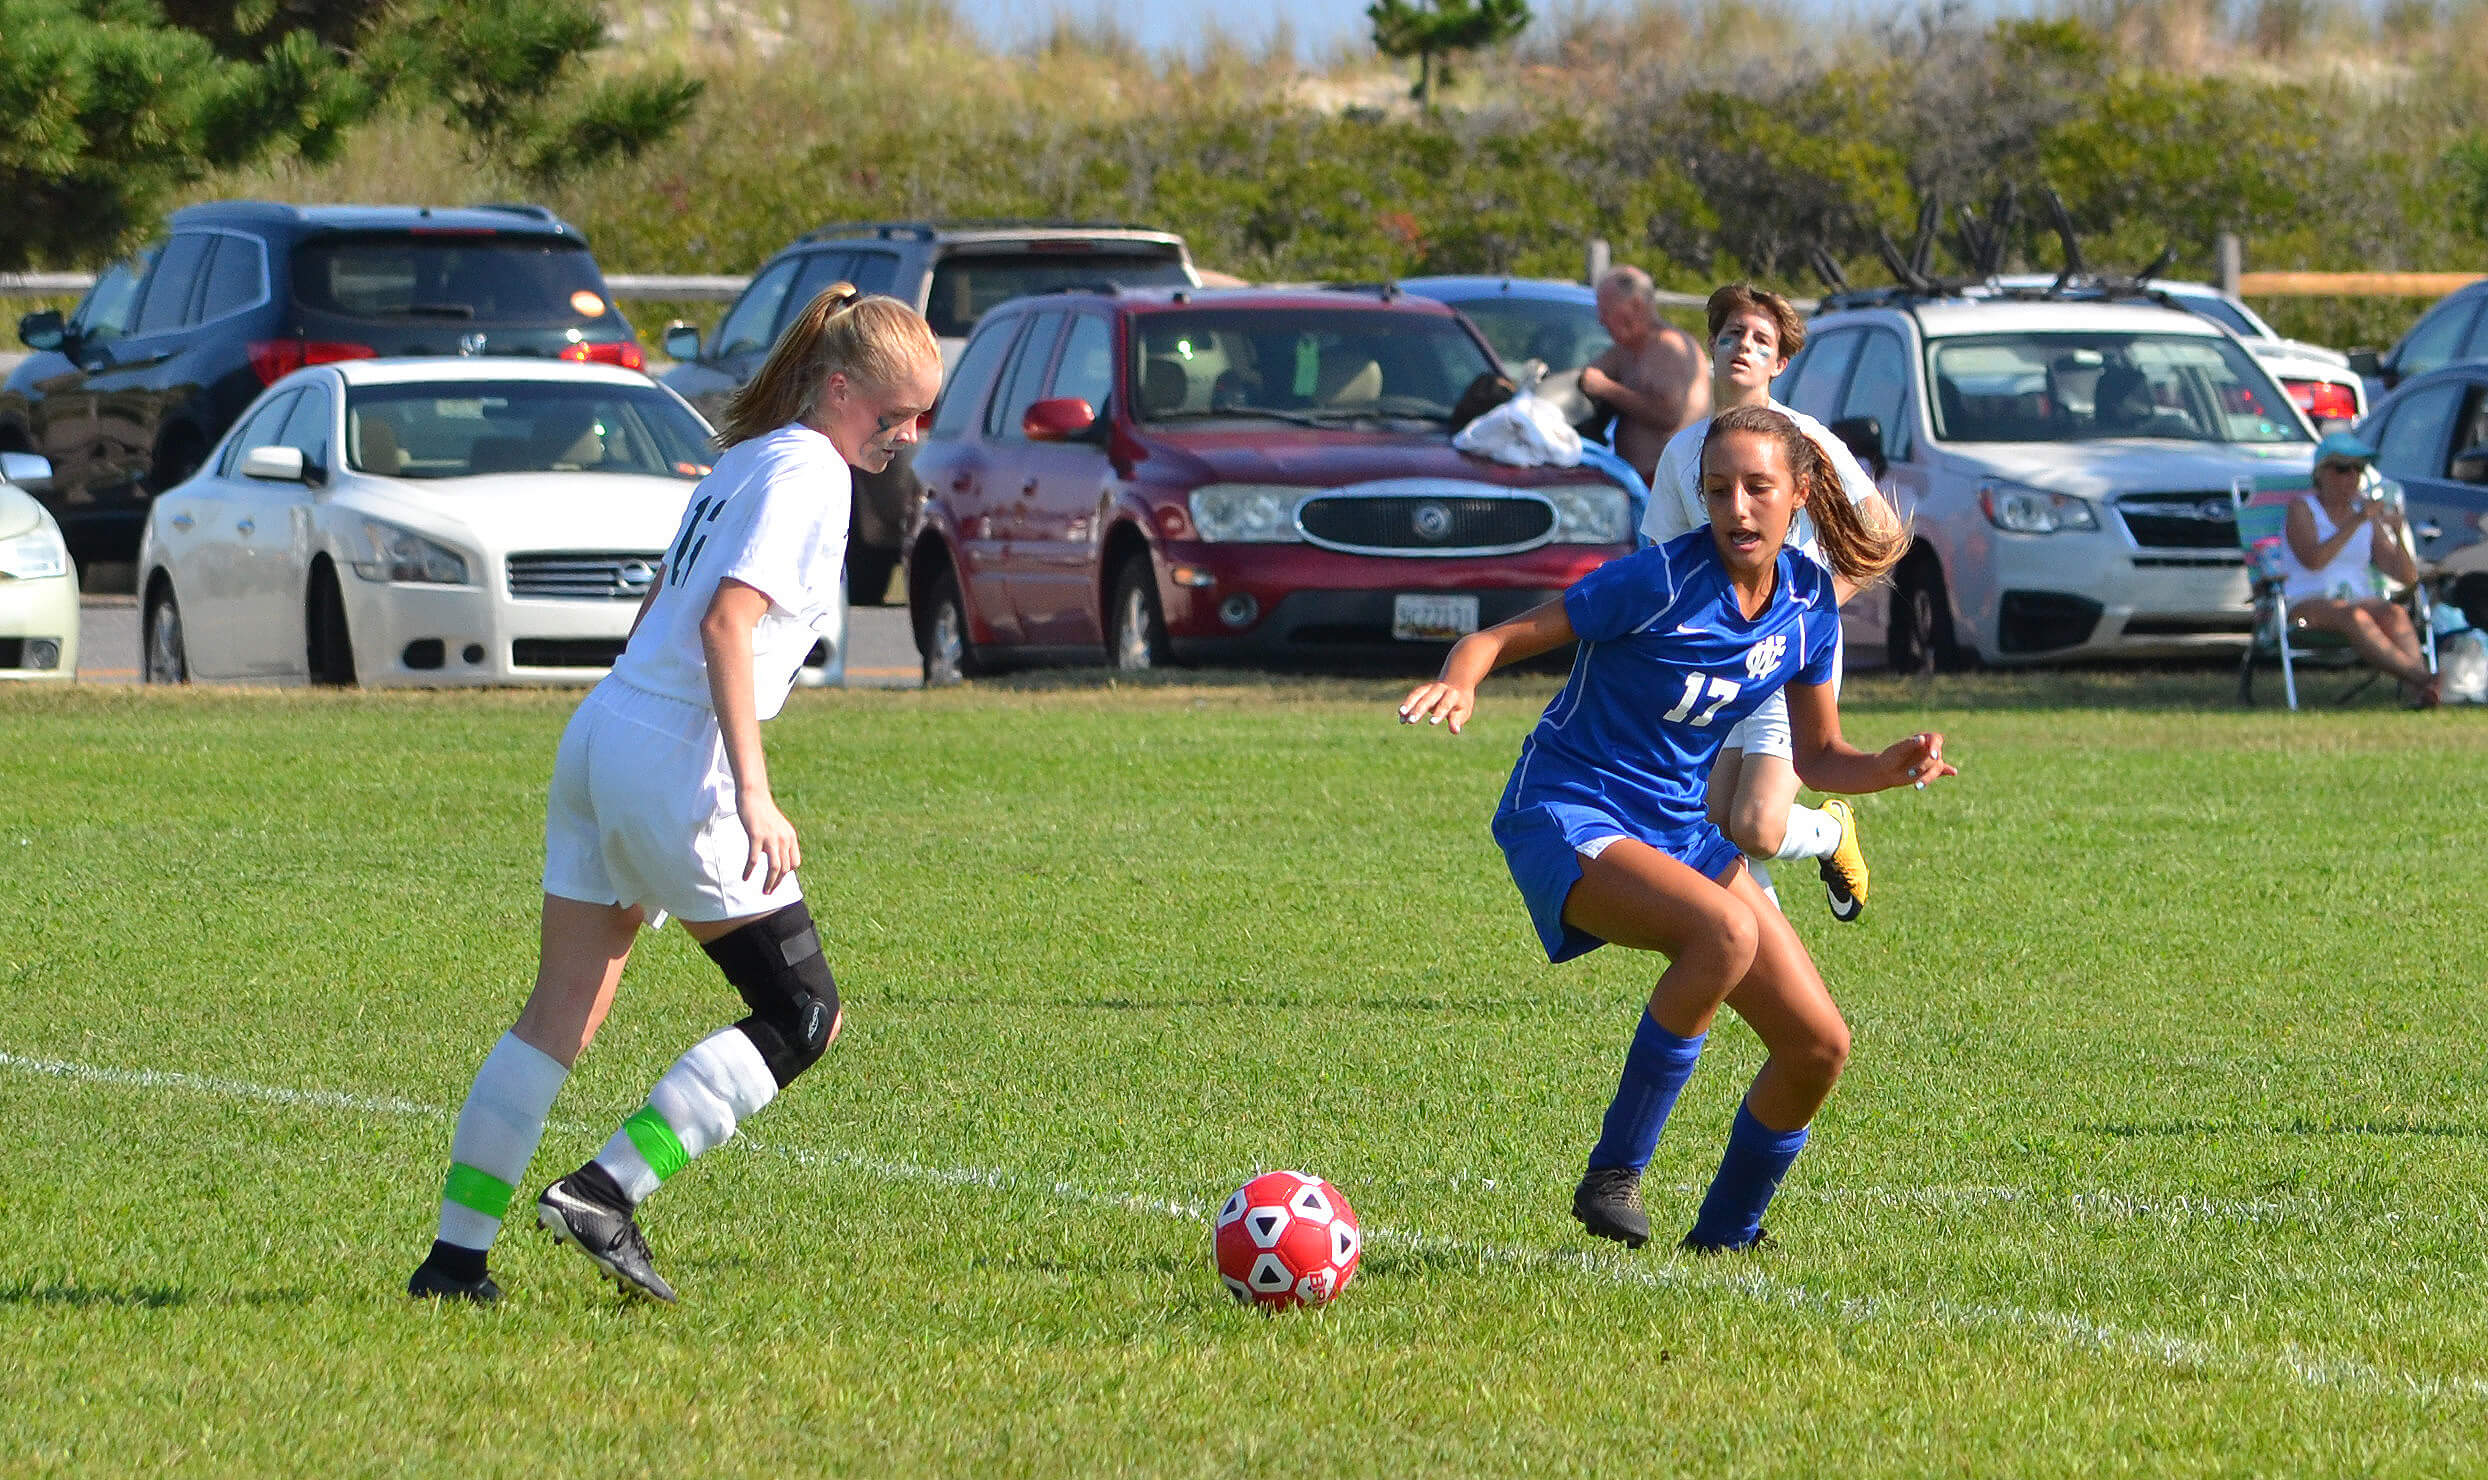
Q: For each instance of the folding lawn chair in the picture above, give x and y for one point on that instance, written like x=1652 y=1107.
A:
x=2262 y=503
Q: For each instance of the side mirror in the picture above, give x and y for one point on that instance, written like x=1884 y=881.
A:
x=2471 y=466
x=43 y=330
x=1057 y=420
x=27 y=471
x=682 y=341
x=1863 y=436
x=278 y=464
x=2366 y=362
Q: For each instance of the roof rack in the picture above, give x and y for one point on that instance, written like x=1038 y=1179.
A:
x=522 y=208
x=1387 y=289
x=927 y=229
x=1981 y=246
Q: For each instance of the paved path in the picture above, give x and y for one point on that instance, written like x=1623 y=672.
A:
x=881 y=651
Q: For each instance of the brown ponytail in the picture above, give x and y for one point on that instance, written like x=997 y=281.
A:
x=871 y=338
x=1859 y=555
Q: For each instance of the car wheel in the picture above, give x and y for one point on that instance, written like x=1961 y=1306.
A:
x=1137 y=642
x=942 y=634
x=1920 y=639
x=868 y=574
x=167 y=661
x=328 y=648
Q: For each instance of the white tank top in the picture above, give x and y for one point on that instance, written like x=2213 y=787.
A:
x=2348 y=578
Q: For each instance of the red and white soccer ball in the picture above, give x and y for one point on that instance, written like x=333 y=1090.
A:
x=1286 y=1239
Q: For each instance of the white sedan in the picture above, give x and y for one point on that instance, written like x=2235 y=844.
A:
x=437 y=522
x=38 y=584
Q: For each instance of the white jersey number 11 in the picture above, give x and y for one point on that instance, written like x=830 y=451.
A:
x=1721 y=691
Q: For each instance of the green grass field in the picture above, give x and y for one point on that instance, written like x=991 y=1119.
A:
x=2161 y=1150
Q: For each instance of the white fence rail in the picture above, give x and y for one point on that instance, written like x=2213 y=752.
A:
x=717 y=287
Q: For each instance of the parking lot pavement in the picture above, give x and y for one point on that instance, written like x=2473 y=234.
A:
x=881 y=652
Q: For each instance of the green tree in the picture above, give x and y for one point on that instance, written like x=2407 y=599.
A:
x=1431 y=30
x=109 y=106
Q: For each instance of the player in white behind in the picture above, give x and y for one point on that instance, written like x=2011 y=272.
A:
x=1753 y=787
x=661 y=803
x=1603 y=824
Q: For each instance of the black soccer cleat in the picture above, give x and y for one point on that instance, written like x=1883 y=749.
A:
x=429 y=1283
x=1762 y=1239
x=1608 y=1204
x=605 y=1232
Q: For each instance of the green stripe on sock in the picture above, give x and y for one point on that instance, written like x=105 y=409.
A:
x=482 y=1191
x=657 y=1142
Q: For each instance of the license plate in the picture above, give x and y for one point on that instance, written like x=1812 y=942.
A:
x=1433 y=618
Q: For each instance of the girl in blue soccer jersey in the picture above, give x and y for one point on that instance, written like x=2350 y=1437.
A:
x=1604 y=824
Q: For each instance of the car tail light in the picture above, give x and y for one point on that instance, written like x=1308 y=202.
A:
x=624 y=353
x=2323 y=400
x=274 y=359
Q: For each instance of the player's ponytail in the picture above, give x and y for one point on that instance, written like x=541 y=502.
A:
x=872 y=338
x=1859 y=555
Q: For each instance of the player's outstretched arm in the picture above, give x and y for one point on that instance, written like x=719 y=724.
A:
x=1827 y=762
x=1452 y=696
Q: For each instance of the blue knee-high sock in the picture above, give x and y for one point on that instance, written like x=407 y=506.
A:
x=1758 y=1157
x=1655 y=1071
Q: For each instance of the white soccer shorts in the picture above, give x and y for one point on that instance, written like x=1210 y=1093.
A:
x=642 y=812
x=1766 y=730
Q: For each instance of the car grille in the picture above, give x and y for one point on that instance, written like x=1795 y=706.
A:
x=1423 y=525
x=2199 y=520
x=584 y=577
x=565 y=652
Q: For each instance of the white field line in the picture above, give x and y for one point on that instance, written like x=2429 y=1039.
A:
x=2077 y=1332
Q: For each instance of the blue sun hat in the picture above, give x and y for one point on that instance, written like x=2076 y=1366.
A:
x=2342 y=447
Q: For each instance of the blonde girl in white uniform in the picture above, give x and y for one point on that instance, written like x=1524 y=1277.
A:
x=661 y=803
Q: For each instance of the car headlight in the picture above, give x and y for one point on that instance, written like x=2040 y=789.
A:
x=1246 y=513
x=1590 y=514
x=2033 y=510
x=34 y=556
x=394 y=554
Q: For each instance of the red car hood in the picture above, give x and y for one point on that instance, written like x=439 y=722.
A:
x=1314 y=457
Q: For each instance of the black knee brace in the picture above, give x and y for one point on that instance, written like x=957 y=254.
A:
x=776 y=964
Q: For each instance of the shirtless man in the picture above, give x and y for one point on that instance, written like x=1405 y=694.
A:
x=1654 y=377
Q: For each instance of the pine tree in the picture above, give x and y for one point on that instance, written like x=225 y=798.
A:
x=1430 y=30
x=109 y=106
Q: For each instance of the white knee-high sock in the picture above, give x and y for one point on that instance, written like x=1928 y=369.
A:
x=694 y=1108
x=1812 y=833
x=498 y=1129
x=1762 y=877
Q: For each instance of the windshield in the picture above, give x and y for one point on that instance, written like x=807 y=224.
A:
x=1307 y=365
x=2084 y=387
x=474 y=427
x=488 y=276
x=1564 y=335
x=966 y=285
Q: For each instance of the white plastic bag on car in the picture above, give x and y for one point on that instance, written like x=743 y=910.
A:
x=1527 y=431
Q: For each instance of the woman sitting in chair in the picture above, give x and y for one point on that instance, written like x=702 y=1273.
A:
x=2333 y=546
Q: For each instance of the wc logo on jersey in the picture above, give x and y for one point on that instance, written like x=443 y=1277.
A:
x=1764 y=656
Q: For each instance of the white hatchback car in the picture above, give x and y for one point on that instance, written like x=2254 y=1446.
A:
x=2065 y=465
x=438 y=522
x=38 y=583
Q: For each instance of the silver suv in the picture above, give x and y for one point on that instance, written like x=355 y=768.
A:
x=951 y=273
x=2065 y=466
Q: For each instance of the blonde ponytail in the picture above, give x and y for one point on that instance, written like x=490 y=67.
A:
x=1859 y=555
x=872 y=338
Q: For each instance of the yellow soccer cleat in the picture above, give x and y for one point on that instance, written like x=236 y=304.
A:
x=1844 y=873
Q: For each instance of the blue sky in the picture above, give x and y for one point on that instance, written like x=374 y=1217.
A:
x=1161 y=24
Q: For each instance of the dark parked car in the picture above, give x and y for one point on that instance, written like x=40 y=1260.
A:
x=1156 y=475
x=2431 y=436
x=2455 y=329
x=126 y=395
x=951 y=274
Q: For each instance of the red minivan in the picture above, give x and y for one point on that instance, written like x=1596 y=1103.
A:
x=1200 y=475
